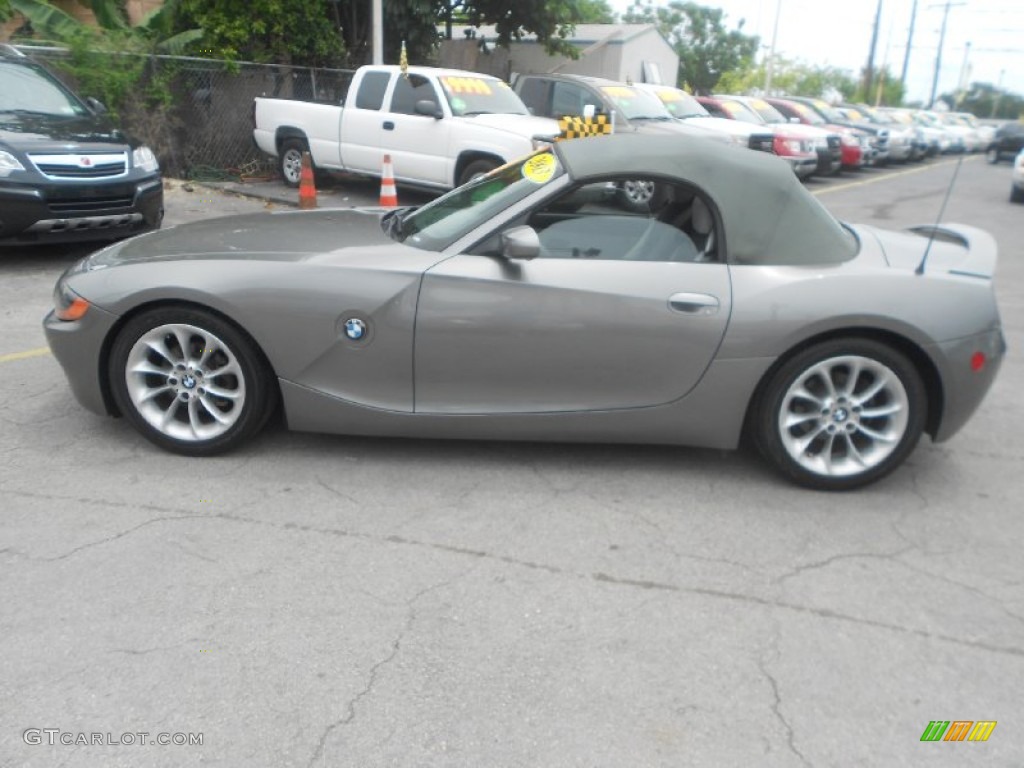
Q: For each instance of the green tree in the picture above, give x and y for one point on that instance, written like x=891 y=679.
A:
x=300 y=32
x=706 y=49
x=790 y=77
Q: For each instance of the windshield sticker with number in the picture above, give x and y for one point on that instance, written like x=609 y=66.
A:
x=466 y=85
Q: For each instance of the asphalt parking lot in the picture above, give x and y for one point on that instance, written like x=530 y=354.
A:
x=330 y=601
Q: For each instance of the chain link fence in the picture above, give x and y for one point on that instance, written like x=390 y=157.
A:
x=205 y=129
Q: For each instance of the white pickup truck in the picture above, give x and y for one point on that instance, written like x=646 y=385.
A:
x=441 y=127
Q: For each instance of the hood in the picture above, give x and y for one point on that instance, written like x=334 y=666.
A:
x=800 y=129
x=31 y=131
x=521 y=125
x=283 y=236
x=956 y=248
x=726 y=125
x=675 y=127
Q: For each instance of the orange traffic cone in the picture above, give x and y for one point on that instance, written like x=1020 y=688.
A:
x=388 y=193
x=307 y=188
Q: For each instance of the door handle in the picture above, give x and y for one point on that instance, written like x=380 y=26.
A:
x=388 y=125
x=694 y=303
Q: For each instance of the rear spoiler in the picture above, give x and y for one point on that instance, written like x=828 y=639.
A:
x=981 y=249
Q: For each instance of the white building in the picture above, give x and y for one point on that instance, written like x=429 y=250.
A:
x=635 y=52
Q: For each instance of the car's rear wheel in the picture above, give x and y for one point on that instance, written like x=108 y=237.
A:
x=992 y=155
x=841 y=414
x=190 y=381
x=290 y=161
x=1016 y=195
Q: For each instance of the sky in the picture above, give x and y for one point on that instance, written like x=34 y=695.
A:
x=838 y=33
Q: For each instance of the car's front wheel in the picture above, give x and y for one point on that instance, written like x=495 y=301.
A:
x=189 y=381
x=475 y=170
x=840 y=414
x=1016 y=194
x=992 y=155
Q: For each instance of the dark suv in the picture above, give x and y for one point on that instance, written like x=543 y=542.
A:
x=66 y=173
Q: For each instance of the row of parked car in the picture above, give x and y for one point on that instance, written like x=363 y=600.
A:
x=814 y=136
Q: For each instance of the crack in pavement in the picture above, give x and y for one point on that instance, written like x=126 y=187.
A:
x=396 y=645
x=777 y=709
x=891 y=556
x=719 y=594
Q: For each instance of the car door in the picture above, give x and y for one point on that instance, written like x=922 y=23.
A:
x=418 y=144
x=621 y=310
x=362 y=123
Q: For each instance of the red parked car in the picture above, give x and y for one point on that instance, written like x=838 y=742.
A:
x=792 y=146
x=856 y=145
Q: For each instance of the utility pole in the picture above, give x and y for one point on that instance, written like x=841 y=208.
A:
x=965 y=73
x=910 y=40
x=869 y=72
x=938 y=55
x=378 y=32
x=771 y=51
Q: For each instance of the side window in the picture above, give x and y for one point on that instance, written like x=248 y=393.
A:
x=409 y=90
x=715 y=110
x=566 y=99
x=371 y=90
x=628 y=220
x=534 y=94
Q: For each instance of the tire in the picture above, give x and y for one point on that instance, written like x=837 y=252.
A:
x=289 y=160
x=636 y=196
x=809 y=421
x=1016 y=195
x=992 y=155
x=161 y=366
x=475 y=169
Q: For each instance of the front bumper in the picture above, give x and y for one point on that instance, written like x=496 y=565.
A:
x=803 y=166
x=78 y=347
x=61 y=211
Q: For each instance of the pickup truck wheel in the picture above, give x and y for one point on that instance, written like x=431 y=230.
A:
x=475 y=169
x=290 y=160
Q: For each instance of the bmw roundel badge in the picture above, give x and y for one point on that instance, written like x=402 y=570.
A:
x=355 y=328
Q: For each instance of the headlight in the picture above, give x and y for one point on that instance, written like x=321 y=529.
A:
x=740 y=140
x=784 y=146
x=9 y=163
x=144 y=159
x=67 y=304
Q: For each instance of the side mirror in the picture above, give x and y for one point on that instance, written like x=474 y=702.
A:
x=520 y=243
x=97 y=106
x=429 y=108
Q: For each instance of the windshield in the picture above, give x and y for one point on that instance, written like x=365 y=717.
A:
x=680 y=103
x=829 y=112
x=767 y=112
x=737 y=110
x=441 y=222
x=634 y=104
x=481 y=96
x=26 y=89
x=806 y=113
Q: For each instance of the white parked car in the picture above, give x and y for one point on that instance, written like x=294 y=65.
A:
x=1017 y=190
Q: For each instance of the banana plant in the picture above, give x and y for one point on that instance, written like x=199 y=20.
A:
x=154 y=32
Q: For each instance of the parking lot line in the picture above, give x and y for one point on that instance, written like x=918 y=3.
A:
x=37 y=352
x=893 y=175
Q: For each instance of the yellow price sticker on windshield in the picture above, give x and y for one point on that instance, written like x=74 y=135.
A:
x=621 y=91
x=758 y=103
x=466 y=85
x=667 y=95
x=539 y=168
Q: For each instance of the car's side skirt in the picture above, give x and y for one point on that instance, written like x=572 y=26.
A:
x=710 y=416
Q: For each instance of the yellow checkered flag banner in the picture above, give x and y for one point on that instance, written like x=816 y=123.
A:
x=583 y=127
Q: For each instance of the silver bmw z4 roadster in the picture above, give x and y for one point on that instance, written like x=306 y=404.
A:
x=539 y=302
